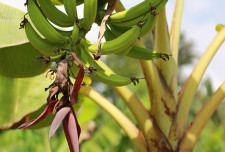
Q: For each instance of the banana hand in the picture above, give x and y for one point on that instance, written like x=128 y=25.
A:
x=42 y=25
x=134 y=12
x=44 y=46
x=116 y=45
x=102 y=75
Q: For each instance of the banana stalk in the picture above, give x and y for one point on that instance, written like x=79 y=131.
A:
x=131 y=130
x=162 y=45
x=174 y=40
x=193 y=131
x=148 y=126
x=163 y=106
x=189 y=88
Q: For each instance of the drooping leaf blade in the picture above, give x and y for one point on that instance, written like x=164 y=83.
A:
x=19 y=61
x=19 y=97
x=10 y=19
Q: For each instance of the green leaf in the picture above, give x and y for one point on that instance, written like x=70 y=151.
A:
x=10 y=19
x=17 y=57
x=103 y=140
x=25 y=140
x=18 y=97
x=19 y=61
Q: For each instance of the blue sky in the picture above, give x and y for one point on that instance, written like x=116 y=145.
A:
x=199 y=20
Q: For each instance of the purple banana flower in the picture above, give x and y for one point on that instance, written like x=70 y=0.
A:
x=67 y=117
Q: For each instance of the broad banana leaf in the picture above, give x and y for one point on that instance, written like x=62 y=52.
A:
x=19 y=97
x=17 y=56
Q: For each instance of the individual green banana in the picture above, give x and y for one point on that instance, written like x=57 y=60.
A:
x=148 y=25
x=44 y=46
x=79 y=2
x=146 y=54
x=75 y=33
x=134 y=12
x=63 y=32
x=102 y=75
x=160 y=6
x=125 y=51
x=55 y=15
x=109 y=35
x=42 y=25
x=70 y=7
x=90 y=11
x=118 y=30
x=116 y=45
x=132 y=22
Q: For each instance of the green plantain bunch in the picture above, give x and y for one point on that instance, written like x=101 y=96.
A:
x=123 y=29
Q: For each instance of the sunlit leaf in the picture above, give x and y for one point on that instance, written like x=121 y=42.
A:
x=10 y=19
x=19 y=61
x=17 y=57
x=19 y=97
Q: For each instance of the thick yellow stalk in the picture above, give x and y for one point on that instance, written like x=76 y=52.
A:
x=162 y=44
x=174 y=41
x=193 y=132
x=156 y=140
x=131 y=130
x=146 y=123
x=175 y=29
x=163 y=105
x=189 y=88
x=159 y=77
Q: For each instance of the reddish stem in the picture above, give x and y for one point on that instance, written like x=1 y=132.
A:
x=79 y=79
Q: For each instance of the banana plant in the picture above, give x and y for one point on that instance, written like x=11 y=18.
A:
x=41 y=48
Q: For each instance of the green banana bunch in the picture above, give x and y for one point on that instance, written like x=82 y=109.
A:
x=90 y=11
x=55 y=15
x=42 y=25
x=44 y=46
x=116 y=45
x=134 y=12
x=123 y=29
x=102 y=75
